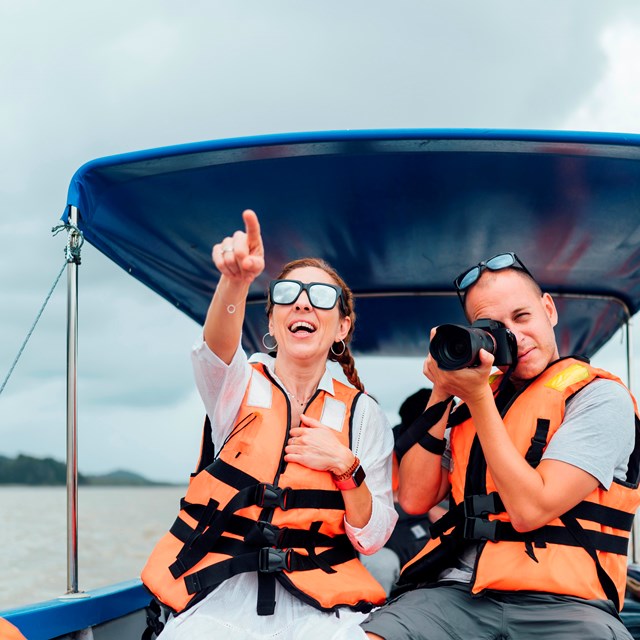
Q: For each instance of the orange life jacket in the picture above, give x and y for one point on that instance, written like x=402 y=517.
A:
x=9 y=631
x=583 y=553
x=249 y=510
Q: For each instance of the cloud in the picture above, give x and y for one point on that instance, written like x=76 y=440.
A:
x=614 y=102
x=83 y=81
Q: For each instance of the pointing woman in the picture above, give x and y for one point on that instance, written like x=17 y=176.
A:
x=266 y=543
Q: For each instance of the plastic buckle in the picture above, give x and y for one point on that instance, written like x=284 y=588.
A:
x=271 y=560
x=480 y=505
x=269 y=496
x=480 y=529
x=271 y=533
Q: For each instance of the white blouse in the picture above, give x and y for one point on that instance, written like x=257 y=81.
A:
x=230 y=610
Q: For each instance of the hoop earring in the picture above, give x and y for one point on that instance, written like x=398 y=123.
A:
x=266 y=346
x=344 y=348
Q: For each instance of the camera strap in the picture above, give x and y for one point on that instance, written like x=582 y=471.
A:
x=415 y=432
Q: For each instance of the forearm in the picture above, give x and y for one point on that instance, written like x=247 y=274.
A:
x=358 y=505
x=223 y=323
x=422 y=480
x=521 y=487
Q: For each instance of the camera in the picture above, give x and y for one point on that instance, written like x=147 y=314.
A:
x=455 y=346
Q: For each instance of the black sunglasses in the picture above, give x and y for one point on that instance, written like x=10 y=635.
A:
x=321 y=295
x=501 y=261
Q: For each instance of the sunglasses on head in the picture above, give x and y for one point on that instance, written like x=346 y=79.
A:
x=472 y=275
x=321 y=295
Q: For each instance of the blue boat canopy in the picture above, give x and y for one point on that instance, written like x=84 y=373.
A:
x=399 y=213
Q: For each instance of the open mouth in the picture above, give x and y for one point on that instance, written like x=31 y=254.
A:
x=297 y=327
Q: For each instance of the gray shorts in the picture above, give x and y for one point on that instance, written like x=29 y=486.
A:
x=450 y=612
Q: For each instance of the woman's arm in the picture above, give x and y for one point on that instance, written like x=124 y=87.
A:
x=369 y=512
x=240 y=260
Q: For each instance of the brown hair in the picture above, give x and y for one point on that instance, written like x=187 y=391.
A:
x=345 y=359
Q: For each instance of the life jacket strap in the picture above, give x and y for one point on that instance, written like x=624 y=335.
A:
x=264 y=533
x=265 y=560
x=583 y=539
x=263 y=495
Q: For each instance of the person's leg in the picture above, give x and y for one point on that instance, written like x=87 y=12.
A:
x=533 y=616
x=446 y=612
x=384 y=566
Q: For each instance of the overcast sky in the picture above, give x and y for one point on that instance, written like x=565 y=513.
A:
x=81 y=80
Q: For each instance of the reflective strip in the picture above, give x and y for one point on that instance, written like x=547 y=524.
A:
x=260 y=391
x=572 y=374
x=333 y=413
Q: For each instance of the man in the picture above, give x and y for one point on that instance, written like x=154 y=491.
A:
x=543 y=481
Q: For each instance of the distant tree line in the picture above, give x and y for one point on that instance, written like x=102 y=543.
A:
x=47 y=471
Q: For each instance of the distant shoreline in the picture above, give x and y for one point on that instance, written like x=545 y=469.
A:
x=29 y=471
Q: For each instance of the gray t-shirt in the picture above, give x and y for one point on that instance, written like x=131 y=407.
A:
x=597 y=435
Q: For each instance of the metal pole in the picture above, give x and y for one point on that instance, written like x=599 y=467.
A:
x=635 y=532
x=72 y=415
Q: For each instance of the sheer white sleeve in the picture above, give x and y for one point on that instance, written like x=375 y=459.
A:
x=372 y=440
x=221 y=387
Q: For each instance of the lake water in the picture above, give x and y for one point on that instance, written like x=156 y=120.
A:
x=118 y=527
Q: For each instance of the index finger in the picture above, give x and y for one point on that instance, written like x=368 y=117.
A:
x=252 y=227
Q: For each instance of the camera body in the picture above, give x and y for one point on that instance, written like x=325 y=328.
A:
x=455 y=346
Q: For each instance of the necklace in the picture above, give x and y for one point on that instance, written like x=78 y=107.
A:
x=302 y=403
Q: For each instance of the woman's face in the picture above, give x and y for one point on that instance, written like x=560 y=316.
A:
x=302 y=331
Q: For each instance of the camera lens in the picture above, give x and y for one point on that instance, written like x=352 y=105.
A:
x=456 y=347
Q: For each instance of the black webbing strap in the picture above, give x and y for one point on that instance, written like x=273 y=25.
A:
x=538 y=442
x=265 y=560
x=422 y=424
x=265 y=533
x=496 y=530
x=454 y=516
x=230 y=475
x=154 y=623
x=266 y=599
x=608 y=586
x=262 y=495
x=606 y=516
x=207 y=450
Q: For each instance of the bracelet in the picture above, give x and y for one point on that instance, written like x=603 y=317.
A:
x=349 y=472
x=433 y=444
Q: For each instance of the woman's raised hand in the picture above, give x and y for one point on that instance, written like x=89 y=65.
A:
x=241 y=257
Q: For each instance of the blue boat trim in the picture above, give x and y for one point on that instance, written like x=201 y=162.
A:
x=58 y=617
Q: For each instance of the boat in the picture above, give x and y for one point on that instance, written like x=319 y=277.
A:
x=398 y=213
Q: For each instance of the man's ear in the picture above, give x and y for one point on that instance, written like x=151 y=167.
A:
x=550 y=309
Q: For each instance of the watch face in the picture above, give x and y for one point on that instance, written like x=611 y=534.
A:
x=358 y=476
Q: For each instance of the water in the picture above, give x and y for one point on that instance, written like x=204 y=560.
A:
x=118 y=527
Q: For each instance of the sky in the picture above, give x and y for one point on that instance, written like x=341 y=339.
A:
x=83 y=80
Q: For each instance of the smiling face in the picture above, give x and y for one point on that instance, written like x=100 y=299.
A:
x=302 y=331
x=512 y=298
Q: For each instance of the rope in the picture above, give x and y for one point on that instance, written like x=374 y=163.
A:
x=75 y=240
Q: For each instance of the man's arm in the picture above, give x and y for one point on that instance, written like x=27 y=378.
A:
x=532 y=497
x=423 y=482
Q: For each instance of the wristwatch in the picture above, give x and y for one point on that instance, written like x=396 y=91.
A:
x=353 y=481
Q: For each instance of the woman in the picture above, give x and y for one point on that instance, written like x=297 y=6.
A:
x=277 y=518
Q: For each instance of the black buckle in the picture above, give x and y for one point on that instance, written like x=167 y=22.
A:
x=481 y=505
x=272 y=534
x=480 y=529
x=269 y=496
x=270 y=560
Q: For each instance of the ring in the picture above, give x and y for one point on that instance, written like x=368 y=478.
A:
x=227 y=250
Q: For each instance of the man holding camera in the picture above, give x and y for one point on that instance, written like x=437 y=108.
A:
x=541 y=465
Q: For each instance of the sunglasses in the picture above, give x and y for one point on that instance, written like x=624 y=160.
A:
x=320 y=294
x=472 y=275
